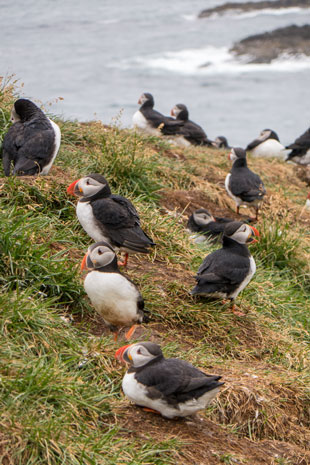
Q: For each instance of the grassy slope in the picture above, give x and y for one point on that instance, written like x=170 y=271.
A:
x=61 y=401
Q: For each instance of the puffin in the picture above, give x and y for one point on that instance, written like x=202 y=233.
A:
x=191 y=133
x=153 y=122
x=169 y=386
x=205 y=225
x=267 y=144
x=31 y=143
x=242 y=185
x=114 y=296
x=300 y=149
x=221 y=142
x=227 y=271
x=108 y=217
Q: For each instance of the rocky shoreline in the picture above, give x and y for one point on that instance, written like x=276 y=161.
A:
x=253 y=6
x=263 y=48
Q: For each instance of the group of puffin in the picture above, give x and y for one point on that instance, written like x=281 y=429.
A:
x=172 y=387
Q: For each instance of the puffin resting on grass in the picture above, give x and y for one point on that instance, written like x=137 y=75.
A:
x=169 y=386
x=115 y=297
x=205 y=225
x=31 y=143
x=227 y=271
x=242 y=185
x=107 y=217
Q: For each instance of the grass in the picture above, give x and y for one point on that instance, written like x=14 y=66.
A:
x=61 y=400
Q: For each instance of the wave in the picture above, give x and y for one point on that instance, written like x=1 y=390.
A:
x=214 y=60
x=239 y=14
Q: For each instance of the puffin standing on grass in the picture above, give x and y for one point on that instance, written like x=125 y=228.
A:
x=31 y=143
x=169 y=386
x=153 y=122
x=191 y=132
x=242 y=185
x=108 y=217
x=115 y=297
x=267 y=144
x=205 y=225
x=227 y=271
x=300 y=149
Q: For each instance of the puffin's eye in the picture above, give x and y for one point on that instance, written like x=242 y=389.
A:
x=139 y=352
x=100 y=252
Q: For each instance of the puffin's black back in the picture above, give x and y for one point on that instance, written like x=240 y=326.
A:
x=29 y=143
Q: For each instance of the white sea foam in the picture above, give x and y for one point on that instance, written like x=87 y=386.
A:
x=239 y=14
x=215 y=60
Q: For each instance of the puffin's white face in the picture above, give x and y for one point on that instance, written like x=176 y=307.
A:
x=202 y=218
x=175 y=111
x=86 y=187
x=264 y=135
x=14 y=116
x=244 y=234
x=138 y=355
x=142 y=99
x=232 y=156
x=101 y=256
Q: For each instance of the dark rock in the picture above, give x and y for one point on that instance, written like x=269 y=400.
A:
x=263 y=48
x=252 y=6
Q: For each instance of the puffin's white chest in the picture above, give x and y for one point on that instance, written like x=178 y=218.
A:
x=303 y=159
x=139 y=121
x=236 y=199
x=113 y=296
x=86 y=217
x=57 y=140
x=246 y=280
x=137 y=393
x=179 y=140
x=269 y=148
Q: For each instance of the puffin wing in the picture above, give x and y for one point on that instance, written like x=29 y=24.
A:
x=302 y=143
x=247 y=185
x=118 y=216
x=223 y=267
x=177 y=381
x=167 y=125
x=12 y=142
x=194 y=134
x=253 y=144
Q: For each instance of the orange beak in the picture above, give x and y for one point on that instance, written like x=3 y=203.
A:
x=83 y=264
x=70 y=189
x=139 y=101
x=228 y=156
x=119 y=353
x=256 y=233
x=172 y=112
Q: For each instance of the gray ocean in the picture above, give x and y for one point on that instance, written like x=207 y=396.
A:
x=100 y=55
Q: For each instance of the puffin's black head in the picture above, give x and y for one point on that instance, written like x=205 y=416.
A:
x=269 y=134
x=100 y=255
x=92 y=186
x=221 y=142
x=180 y=111
x=146 y=99
x=139 y=354
x=202 y=217
x=23 y=110
x=237 y=153
x=240 y=232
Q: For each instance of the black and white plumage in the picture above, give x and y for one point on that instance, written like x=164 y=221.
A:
x=204 y=225
x=227 y=271
x=300 y=149
x=242 y=185
x=108 y=217
x=172 y=387
x=267 y=144
x=153 y=122
x=191 y=132
x=115 y=297
x=31 y=143
x=221 y=142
